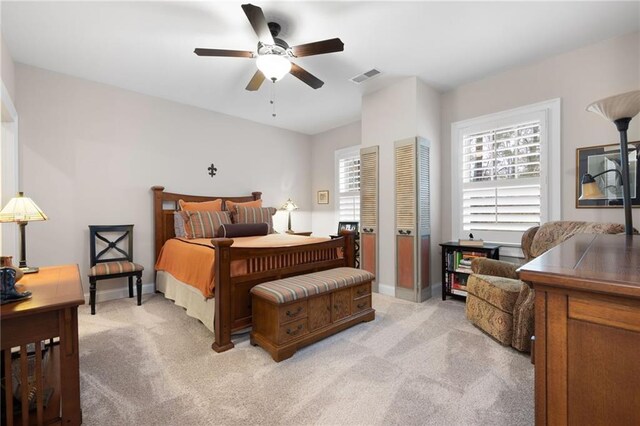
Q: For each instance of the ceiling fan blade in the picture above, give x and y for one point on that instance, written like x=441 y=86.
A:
x=258 y=22
x=256 y=81
x=305 y=76
x=222 y=52
x=318 y=47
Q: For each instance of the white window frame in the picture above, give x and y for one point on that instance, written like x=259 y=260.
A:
x=548 y=113
x=342 y=153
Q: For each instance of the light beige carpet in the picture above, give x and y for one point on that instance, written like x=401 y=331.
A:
x=416 y=364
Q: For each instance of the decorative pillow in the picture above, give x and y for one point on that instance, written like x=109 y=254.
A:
x=178 y=225
x=231 y=206
x=214 y=206
x=255 y=215
x=204 y=224
x=243 y=230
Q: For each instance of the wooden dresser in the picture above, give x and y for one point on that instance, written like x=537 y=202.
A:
x=587 y=331
x=51 y=312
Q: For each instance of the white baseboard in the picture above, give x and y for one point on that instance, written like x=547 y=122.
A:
x=436 y=289
x=119 y=293
x=389 y=290
x=386 y=289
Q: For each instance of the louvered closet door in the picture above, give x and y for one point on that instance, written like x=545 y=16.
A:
x=369 y=211
x=412 y=219
x=406 y=214
x=424 y=220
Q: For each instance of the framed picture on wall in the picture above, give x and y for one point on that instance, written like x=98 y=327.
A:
x=601 y=158
x=323 y=197
x=348 y=226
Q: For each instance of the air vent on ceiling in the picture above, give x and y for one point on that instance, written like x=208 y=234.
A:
x=361 y=78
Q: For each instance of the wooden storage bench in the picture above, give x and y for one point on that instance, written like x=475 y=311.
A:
x=294 y=312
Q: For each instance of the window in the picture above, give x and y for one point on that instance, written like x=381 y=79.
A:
x=501 y=166
x=348 y=183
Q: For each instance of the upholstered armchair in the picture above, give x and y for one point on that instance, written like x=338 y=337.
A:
x=498 y=302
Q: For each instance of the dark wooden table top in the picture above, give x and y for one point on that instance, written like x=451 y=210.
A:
x=54 y=287
x=599 y=263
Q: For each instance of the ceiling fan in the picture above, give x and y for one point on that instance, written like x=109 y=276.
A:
x=274 y=54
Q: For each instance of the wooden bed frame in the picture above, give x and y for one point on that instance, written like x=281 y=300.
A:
x=232 y=294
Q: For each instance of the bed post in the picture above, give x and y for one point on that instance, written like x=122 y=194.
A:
x=223 y=318
x=256 y=195
x=349 y=248
x=157 y=219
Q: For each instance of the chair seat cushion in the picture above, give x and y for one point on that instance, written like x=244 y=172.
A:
x=110 y=268
x=304 y=286
x=497 y=291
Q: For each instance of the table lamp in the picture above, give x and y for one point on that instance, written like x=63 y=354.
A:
x=289 y=206
x=22 y=210
x=620 y=109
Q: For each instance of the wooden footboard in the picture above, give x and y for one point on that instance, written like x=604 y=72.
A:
x=232 y=294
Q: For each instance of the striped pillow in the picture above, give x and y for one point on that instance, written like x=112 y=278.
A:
x=204 y=224
x=178 y=225
x=255 y=215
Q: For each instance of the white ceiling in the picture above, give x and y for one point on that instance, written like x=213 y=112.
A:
x=148 y=47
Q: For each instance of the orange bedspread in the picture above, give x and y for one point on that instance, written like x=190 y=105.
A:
x=191 y=261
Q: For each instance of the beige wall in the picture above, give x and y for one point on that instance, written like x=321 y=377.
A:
x=428 y=121
x=404 y=110
x=578 y=78
x=7 y=68
x=323 y=148
x=91 y=152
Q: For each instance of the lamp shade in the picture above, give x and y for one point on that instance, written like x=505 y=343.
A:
x=289 y=206
x=273 y=66
x=21 y=209
x=591 y=191
x=625 y=105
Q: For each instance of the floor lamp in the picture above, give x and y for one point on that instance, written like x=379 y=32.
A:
x=621 y=109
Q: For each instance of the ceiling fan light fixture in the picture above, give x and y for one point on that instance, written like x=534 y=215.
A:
x=274 y=67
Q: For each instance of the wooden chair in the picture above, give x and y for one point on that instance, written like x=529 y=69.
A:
x=112 y=267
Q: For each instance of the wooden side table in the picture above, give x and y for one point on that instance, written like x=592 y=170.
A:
x=51 y=312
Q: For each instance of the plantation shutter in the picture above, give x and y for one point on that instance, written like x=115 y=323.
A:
x=501 y=178
x=349 y=185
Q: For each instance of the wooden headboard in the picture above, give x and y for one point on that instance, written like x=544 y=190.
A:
x=165 y=203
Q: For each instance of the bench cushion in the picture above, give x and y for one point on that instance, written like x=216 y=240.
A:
x=108 y=268
x=304 y=286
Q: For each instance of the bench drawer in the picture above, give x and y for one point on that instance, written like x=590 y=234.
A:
x=292 y=312
x=361 y=304
x=292 y=330
x=341 y=300
x=361 y=290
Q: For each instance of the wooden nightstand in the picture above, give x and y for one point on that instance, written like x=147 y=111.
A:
x=303 y=233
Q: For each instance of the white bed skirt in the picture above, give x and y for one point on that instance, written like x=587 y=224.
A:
x=190 y=298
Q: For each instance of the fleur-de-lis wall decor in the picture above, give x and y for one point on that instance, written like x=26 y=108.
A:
x=212 y=170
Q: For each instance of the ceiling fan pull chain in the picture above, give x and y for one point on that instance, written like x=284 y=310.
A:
x=273 y=99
